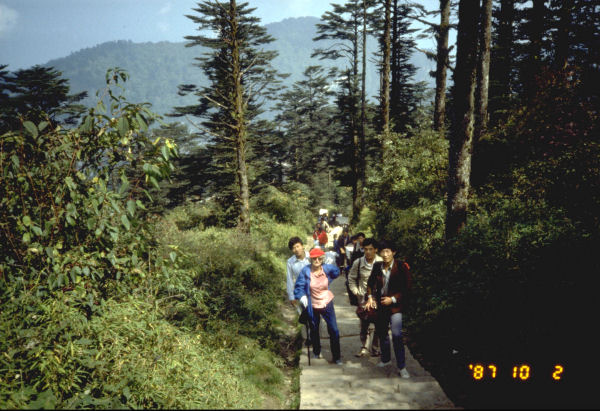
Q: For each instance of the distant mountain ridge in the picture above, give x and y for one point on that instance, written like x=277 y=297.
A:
x=156 y=69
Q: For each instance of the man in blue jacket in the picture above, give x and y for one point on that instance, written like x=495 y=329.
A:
x=312 y=290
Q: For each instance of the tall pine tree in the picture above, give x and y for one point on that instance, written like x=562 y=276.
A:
x=347 y=24
x=239 y=73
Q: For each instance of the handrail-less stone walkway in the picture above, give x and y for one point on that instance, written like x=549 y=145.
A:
x=359 y=384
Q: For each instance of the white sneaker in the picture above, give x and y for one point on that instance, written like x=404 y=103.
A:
x=317 y=356
x=383 y=364
x=362 y=353
x=404 y=373
x=339 y=362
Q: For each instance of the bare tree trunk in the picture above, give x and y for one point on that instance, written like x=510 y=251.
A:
x=356 y=152
x=240 y=124
x=534 y=59
x=483 y=72
x=503 y=67
x=385 y=86
x=394 y=69
x=562 y=40
x=461 y=136
x=356 y=204
x=439 y=113
x=360 y=184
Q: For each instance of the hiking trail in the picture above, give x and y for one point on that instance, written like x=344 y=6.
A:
x=358 y=383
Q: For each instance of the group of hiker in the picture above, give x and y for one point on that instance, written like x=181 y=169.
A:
x=376 y=281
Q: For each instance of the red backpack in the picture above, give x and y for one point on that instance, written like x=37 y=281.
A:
x=323 y=237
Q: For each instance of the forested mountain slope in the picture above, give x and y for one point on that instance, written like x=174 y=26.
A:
x=156 y=69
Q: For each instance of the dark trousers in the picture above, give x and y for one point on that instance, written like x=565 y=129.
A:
x=385 y=320
x=328 y=314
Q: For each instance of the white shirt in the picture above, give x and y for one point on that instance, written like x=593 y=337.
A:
x=330 y=257
x=386 y=278
x=294 y=266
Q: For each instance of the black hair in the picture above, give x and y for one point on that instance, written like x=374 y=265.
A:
x=370 y=241
x=383 y=244
x=293 y=242
x=353 y=237
x=360 y=235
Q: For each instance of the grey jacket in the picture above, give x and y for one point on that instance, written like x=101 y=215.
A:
x=360 y=288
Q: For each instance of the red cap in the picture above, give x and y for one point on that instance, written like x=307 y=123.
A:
x=316 y=252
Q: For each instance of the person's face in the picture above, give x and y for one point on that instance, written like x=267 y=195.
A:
x=387 y=255
x=318 y=261
x=298 y=250
x=360 y=240
x=370 y=252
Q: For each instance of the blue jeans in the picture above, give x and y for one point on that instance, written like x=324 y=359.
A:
x=384 y=320
x=328 y=314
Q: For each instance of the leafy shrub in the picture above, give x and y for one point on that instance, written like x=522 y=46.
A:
x=200 y=215
x=406 y=194
x=281 y=206
x=73 y=202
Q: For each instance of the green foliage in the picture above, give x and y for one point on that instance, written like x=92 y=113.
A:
x=515 y=282
x=240 y=288
x=407 y=192
x=282 y=207
x=73 y=201
x=105 y=304
x=129 y=356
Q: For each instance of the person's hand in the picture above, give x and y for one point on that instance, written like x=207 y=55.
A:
x=386 y=300
x=370 y=305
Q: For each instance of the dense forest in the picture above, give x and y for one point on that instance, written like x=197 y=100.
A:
x=142 y=256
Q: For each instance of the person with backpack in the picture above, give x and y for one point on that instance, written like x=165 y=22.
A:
x=357 y=283
x=312 y=290
x=387 y=290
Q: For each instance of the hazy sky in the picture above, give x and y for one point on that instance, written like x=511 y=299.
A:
x=35 y=31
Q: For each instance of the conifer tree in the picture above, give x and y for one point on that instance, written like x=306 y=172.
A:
x=347 y=24
x=483 y=70
x=37 y=94
x=439 y=113
x=441 y=56
x=461 y=135
x=502 y=61
x=402 y=92
x=240 y=74
x=307 y=115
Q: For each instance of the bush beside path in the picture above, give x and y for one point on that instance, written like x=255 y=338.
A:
x=359 y=384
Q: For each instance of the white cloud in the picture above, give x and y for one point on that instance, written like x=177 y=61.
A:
x=166 y=8
x=8 y=19
x=162 y=26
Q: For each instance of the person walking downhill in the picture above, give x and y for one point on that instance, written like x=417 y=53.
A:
x=357 y=281
x=294 y=265
x=358 y=251
x=312 y=290
x=387 y=288
x=340 y=243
